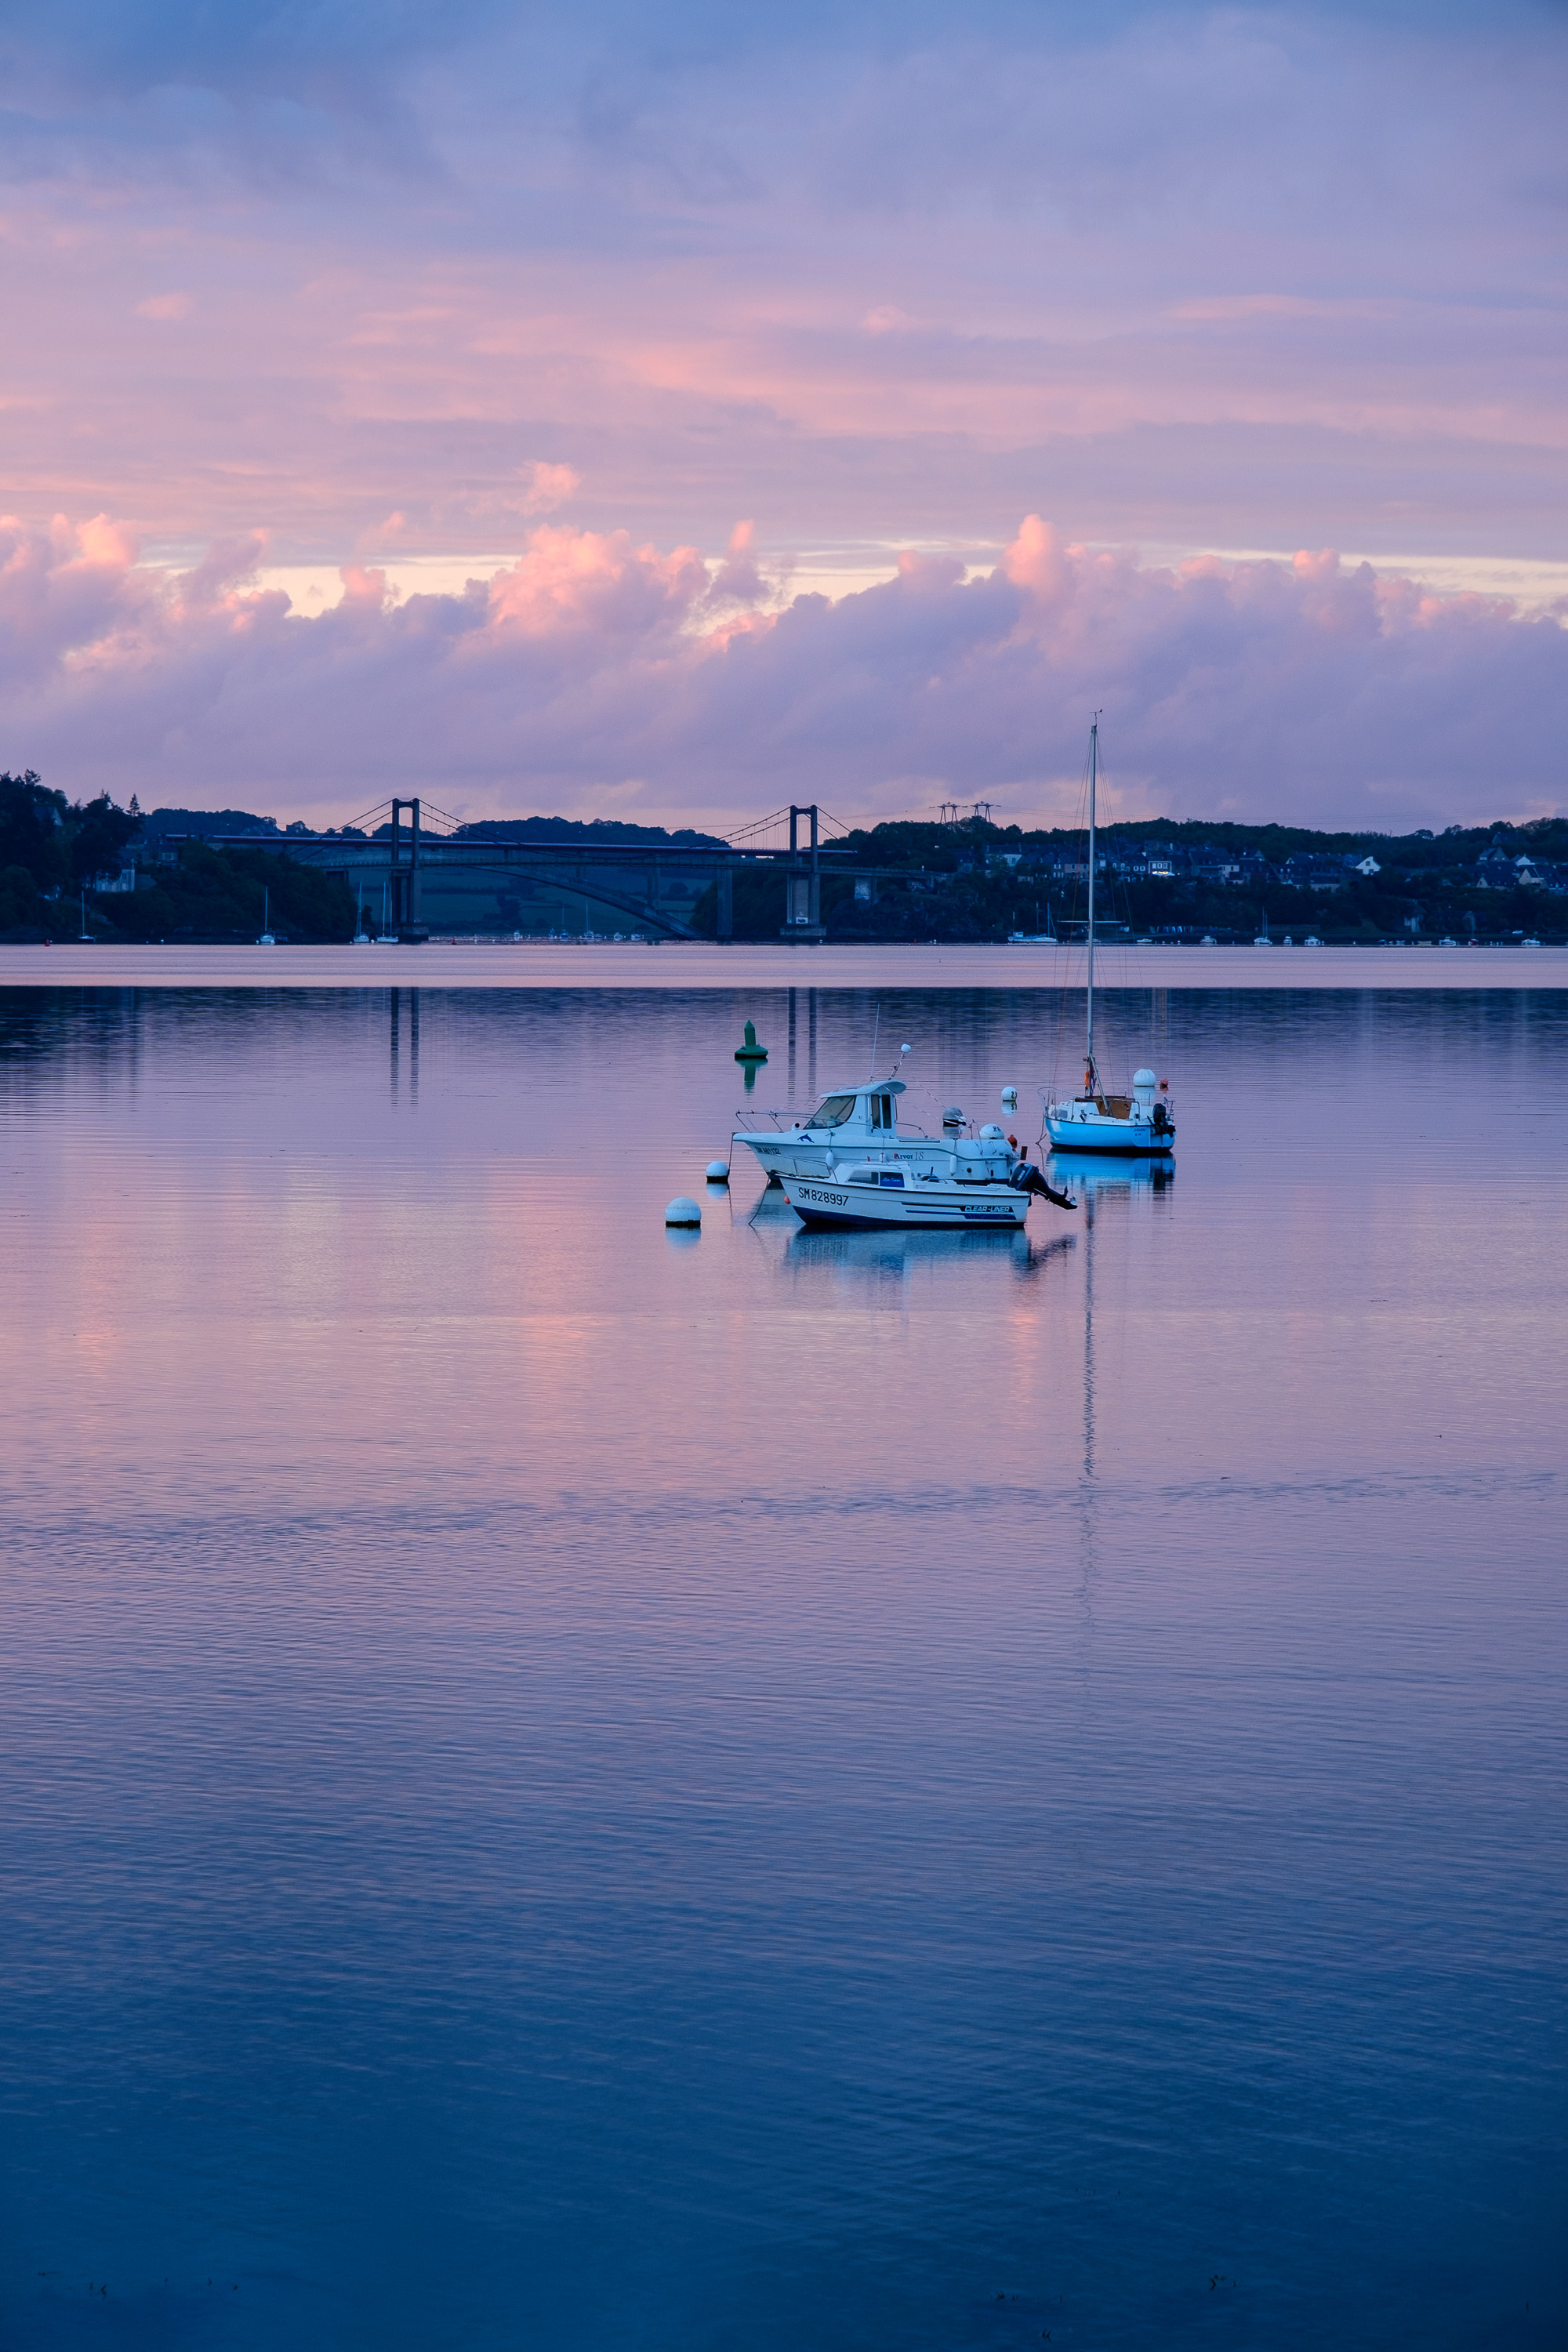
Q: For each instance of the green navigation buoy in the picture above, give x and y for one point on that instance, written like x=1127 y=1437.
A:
x=750 y=1051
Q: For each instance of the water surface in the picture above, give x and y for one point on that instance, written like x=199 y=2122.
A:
x=567 y=1785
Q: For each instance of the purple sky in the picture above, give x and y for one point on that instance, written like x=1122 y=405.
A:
x=671 y=339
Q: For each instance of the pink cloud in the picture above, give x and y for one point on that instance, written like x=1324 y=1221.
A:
x=590 y=583
x=547 y=487
x=365 y=589
x=228 y=565
x=1302 y=283
x=738 y=580
x=166 y=306
x=597 y=665
x=1035 y=560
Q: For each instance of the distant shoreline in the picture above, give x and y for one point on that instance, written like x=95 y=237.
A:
x=533 y=964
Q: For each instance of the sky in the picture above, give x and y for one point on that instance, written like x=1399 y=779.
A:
x=670 y=414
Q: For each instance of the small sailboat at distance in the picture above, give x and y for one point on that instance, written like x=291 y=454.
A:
x=1139 y=1123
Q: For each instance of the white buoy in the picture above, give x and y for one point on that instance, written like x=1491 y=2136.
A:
x=682 y=1212
x=1009 y=1097
x=718 y=1172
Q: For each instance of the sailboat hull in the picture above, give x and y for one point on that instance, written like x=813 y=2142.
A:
x=1083 y=1126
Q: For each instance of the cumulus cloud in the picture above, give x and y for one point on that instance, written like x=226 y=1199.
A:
x=738 y=580
x=1311 y=691
x=547 y=487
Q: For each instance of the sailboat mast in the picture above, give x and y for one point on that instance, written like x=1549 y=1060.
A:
x=1093 y=764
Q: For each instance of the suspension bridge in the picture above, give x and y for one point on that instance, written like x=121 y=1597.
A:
x=414 y=868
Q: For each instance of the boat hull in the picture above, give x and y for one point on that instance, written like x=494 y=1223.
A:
x=1086 y=1130
x=967 y=1208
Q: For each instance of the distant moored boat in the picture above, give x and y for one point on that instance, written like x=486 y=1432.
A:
x=1139 y=1123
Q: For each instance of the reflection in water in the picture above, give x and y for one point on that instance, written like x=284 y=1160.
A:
x=567 y=1784
x=1088 y=1173
x=817 y=1246
x=1036 y=1255
x=1090 y=1206
x=1098 y=1180
x=811 y=995
x=770 y=1208
x=395 y=995
x=883 y=1252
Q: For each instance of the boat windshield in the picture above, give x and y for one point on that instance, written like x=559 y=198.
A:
x=833 y=1112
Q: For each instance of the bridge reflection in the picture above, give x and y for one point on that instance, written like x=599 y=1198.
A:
x=396 y=1041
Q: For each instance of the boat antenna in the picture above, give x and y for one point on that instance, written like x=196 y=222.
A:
x=1093 y=767
x=875 y=1026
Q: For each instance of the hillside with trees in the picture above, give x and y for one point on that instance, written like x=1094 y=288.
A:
x=64 y=864
x=158 y=879
x=1156 y=880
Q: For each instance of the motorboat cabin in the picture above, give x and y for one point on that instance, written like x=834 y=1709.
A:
x=845 y=1124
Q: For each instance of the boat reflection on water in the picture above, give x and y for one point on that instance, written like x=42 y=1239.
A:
x=1098 y=1183
x=898 y=1250
x=1089 y=1177
x=772 y=1209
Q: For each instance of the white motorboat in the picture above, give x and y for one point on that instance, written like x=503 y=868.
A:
x=986 y=1189
x=1138 y=1123
x=850 y=1124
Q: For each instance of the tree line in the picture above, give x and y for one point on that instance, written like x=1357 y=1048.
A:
x=51 y=850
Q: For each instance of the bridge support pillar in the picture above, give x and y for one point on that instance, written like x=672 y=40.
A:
x=726 y=923
x=803 y=888
x=405 y=919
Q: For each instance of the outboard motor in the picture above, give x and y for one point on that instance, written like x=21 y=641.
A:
x=1144 y=1084
x=1026 y=1178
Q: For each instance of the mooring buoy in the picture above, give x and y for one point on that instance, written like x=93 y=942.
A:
x=682 y=1212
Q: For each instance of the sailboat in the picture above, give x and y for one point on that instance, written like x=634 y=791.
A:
x=267 y=939
x=1139 y=1123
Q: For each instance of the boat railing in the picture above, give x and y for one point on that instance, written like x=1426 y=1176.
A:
x=753 y=1115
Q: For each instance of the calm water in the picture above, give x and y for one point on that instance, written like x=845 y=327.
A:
x=568 y=1787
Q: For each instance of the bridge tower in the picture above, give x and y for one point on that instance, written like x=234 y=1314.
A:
x=803 y=886
x=405 y=877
